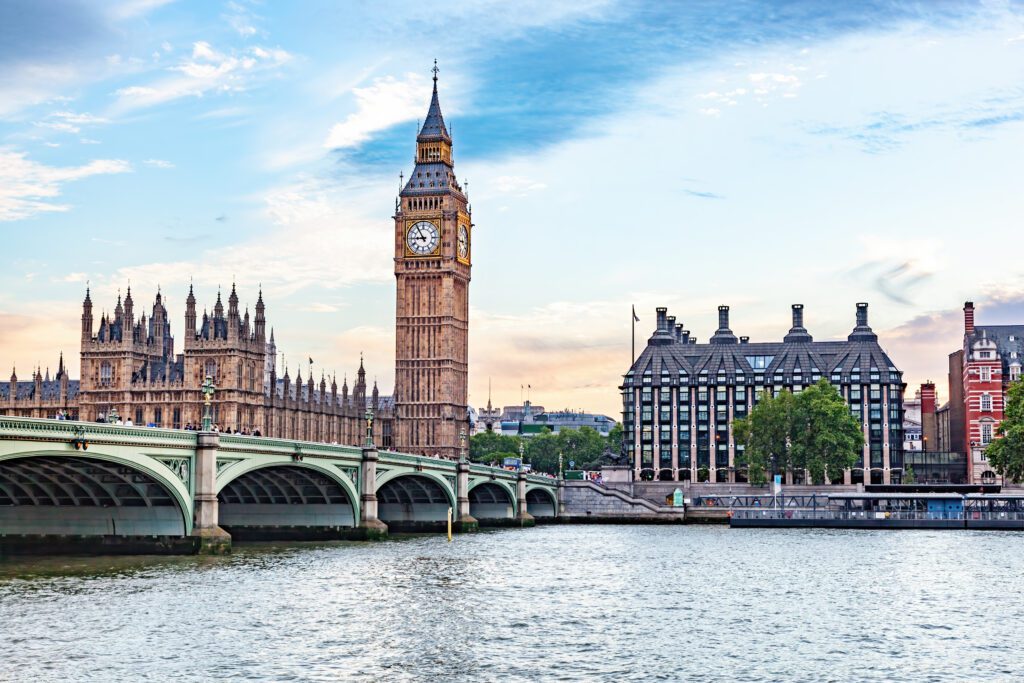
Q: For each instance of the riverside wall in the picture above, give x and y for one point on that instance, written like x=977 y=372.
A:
x=585 y=502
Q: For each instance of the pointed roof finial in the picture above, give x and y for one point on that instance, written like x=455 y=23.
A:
x=433 y=126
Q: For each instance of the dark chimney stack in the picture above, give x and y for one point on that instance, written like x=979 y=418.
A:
x=798 y=315
x=723 y=317
x=744 y=339
x=662 y=314
x=684 y=336
x=862 y=315
x=862 y=332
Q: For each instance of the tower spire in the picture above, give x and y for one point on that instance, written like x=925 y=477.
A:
x=433 y=126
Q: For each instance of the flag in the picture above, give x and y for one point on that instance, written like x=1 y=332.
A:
x=310 y=361
x=635 y=318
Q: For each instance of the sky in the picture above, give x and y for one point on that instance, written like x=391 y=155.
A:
x=618 y=154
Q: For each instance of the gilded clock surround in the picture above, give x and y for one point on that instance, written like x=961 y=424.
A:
x=412 y=253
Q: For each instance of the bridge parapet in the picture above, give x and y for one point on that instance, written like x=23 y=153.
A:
x=42 y=429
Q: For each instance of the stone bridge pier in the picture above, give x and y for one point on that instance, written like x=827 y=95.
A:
x=370 y=528
x=211 y=539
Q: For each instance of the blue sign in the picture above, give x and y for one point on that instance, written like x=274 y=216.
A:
x=778 y=483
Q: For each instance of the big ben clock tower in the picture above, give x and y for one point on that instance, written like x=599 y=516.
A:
x=433 y=249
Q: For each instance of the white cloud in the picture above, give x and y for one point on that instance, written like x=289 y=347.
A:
x=241 y=19
x=319 y=239
x=206 y=71
x=74 y=117
x=28 y=187
x=158 y=163
x=69 y=121
x=318 y=307
x=519 y=185
x=59 y=126
x=387 y=102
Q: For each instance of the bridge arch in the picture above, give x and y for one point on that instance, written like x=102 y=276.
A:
x=284 y=499
x=541 y=502
x=491 y=500
x=414 y=501
x=91 y=495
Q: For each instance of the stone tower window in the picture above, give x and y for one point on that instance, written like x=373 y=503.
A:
x=106 y=374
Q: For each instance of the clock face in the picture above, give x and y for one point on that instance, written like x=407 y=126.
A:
x=422 y=238
x=463 y=242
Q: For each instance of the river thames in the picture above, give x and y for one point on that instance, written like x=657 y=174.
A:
x=570 y=603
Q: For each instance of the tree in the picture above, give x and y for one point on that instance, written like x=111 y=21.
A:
x=585 y=446
x=615 y=436
x=542 y=452
x=908 y=475
x=812 y=431
x=826 y=439
x=490 y=446
x=1006 y=454
x=765 y=435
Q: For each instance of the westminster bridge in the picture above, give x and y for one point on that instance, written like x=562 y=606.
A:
x=97 y=487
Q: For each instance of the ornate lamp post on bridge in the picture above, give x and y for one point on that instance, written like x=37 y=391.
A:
x=462 y=445
x=207 y=388
x=369 y=427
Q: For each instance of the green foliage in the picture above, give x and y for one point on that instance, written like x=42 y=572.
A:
x=826 y=438
x=765 y=435
x=908 y=475
x=585 y=446
x=1006 y=454
x=812 y=430
x=487 y=447
x=542 y=452
x=615 y=437
x=703 y=473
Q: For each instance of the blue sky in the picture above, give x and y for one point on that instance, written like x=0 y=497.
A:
x=756 y=154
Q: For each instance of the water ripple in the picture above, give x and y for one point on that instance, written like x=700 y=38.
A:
x=586 y=603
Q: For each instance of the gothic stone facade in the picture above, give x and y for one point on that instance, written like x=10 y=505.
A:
x=433 y=231
x=129 y=368
x=680 y=398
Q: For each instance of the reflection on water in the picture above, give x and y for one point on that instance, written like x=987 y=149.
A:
x=565 y=603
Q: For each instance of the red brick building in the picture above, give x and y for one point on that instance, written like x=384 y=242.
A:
x=979 y=374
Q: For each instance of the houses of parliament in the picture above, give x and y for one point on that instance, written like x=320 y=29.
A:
x=130 y=368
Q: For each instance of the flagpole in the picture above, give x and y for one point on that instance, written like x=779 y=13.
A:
x=632 y=358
